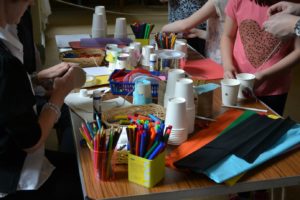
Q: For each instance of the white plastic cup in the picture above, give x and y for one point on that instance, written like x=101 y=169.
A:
x=184 y=89
x=181 y=46
x=247 y=82
x=230 y=89
x=176 y=116
x=173 y=76
x=120 y=28
x=146 y=51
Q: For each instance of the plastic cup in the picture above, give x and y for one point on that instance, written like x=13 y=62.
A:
x=230 y=89
x=104 y=165
x=247 y=82
x=177 y=136
x=173 y=76
x=120 y=28
x=181 y=46
x=184 y=89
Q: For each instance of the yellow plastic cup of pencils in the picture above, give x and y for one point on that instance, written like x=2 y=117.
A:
x=104 y=164
x=144 y=42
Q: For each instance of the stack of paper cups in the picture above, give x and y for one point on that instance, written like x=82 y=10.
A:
x=146 y=51
x=173 y=76
x=99 y=24
x=176 y=116
x=120 y=28
x=184 y=89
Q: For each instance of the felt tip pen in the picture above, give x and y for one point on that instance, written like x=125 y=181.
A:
x=151 y=149
x=156 y=150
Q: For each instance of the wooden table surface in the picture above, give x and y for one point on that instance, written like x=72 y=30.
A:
x=281 y=171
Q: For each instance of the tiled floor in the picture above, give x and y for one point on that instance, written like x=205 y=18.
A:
x=71 y=20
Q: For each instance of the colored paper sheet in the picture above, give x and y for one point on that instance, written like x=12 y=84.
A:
x=232 y=165
x=203 y=137
x=204 y=69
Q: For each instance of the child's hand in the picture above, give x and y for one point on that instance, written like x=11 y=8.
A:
x=194 y=32
x=259 y=79
x=229 y=72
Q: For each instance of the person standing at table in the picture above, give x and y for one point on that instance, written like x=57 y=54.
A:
x=213 y=12
x=181 y=9
x=25 y=170
x=247 y=48
x=284 y=21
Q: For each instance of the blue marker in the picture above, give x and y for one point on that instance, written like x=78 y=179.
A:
x=143 y=144
x=156 y=151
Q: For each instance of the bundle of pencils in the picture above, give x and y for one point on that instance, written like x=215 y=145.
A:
x=147 y=138
x=165 y=40
x=102 y=143
x=141 y=30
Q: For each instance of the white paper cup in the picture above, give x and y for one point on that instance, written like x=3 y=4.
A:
x=177 y=136
x=98 y=33
x=146 y=51
x=122 y=61
x=190 y=116
x=247 y=82
x=100 y=10
x=230 y=89
x=176 y=116
x=176 y=113
x=184 y=89
x=99 y=22
x=173 y=76
x=120 y=28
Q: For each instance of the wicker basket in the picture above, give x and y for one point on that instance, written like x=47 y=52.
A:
x=89 y=61
x=108 y=116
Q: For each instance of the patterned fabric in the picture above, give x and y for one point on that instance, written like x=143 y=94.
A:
x=181 y=9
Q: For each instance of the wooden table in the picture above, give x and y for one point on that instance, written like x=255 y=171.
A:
x=279 y=172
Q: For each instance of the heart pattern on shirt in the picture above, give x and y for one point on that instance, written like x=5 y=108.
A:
x=259 y=45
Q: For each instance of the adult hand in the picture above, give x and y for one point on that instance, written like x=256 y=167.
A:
x=284 y=7
x=55 y=71
x=259 y=79
x=73 y=78
x=281 y=25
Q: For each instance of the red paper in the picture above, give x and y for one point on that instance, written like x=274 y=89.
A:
x=204 y=69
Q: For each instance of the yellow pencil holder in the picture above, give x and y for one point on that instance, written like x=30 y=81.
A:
x=143 y=42
x=146 y=172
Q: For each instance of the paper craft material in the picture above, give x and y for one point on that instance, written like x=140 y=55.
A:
x=204 y=69
x=102 y=42
x=202 y=137
x=247 y=140
x=233 y=165
x=63 y=40
x=96 y=76
x=83 y=106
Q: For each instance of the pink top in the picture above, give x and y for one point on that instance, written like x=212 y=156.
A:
x=255 y=49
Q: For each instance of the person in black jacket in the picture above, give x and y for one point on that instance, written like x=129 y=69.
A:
x=25 y=170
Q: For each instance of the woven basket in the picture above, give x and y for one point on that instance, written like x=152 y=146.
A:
x=155 y=109
x=90 y=61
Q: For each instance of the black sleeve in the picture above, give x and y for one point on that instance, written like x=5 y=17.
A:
x=17 y=115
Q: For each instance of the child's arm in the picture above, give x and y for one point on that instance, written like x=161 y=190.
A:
x=206 y=11
x=227 y=42
x=286 y=63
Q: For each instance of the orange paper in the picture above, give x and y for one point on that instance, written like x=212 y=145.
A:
x=204 y=69
x=203 y=137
